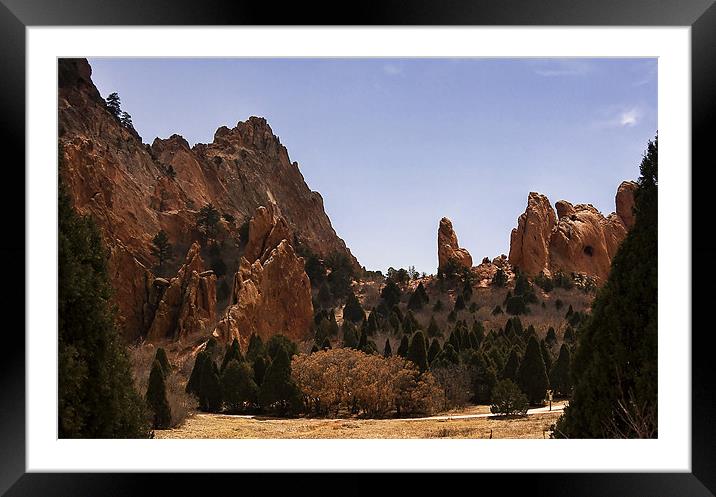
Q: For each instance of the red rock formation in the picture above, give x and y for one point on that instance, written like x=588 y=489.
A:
x=124 y=185
x=529 y=242
x=581 y=241
x=266 y=230
x=269 y=298
x=188 y=304
x=449 y=249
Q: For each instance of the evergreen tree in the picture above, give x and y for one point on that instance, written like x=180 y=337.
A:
x=500 y=278
x=114 y=105
x=278 y=389
x=126 y=120
x=467 y=291
x=280 y=341
x=209 y=387
x=161 y=356
x=447 y=356
x=208 y=220
x=497 y=310
x=350 y=336
x=418 y=351
x=255 y=349
x=614 y=369
x=371 y=326
x=532 y=375
x=314 y=348
x=326 y=345
x=410 y=324
x=353 y=311
x=570 y=337
x=508 y=400
x=516 y=305
x=341 y=275
x=434 y=350
x=194 y=383
x=238 y=386
x=438 y=306
x=546 y=355
x=433 y=329
x=403 y=347
x=512 y=367
x=452 y=316
x=161 y=250
x=387 y=351
x=418 y=298
x=325 y=297
x=390 y=294
x=157 y=398
x=233 y=353
x=551 y=337
x=96 y=395
x=559 y=376
x=459 y=303
x=260 y=365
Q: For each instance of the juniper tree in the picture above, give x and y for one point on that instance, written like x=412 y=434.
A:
x=434 y=350
x=387 y=351
x=507 y=399
x=161 y=356
x=390 y=294
x=350 y=337
x=499 y=278
x=512 y=367
x=433 y=329
x=96 y=394
x=233 y=353
x=353 y=311
x=417 y=351
x=162 y=250
x=157 y=397
x=278 y=388
x=194 y=383
x=559 y=376
x=532 y=375
x=403 y=347
x=546 y=355
x=209 y=387
x=326 y=345
x=438 y=306
x=614 y=368
x=255 y=349
x=238 y=386
x=260 y=365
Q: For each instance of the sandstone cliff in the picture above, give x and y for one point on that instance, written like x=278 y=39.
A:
x=578 y=239
x=133 y=190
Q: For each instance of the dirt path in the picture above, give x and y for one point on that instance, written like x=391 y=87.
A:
x=472 y=422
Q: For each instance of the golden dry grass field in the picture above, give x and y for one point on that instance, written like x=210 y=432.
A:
x=217 y=426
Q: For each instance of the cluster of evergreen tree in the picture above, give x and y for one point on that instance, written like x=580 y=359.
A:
x=96 y=393
x=615 y=363
x=114 y=107
x=259 y=380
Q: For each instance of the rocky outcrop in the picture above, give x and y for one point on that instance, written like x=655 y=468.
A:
x=133 y=190
x=268 y=298
x=625 y=203
x=529 y=242
x=188 y=303
x=266 y=230
x=449 y=249
x=579 y=240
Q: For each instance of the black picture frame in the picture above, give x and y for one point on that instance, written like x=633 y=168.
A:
x=16 y=15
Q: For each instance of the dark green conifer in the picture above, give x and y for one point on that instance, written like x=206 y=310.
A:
x=532 y=376
x=157 y=398
x=417 y=351
x=403 y=347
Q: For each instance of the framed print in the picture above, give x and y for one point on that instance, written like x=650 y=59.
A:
x=231 y=219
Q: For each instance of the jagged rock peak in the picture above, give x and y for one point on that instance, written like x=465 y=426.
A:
x=449 y=249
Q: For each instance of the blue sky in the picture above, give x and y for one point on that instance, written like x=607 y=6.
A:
x=393 y=145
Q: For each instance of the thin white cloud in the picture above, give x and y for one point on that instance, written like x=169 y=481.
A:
x=392 y=69
x=629 y=117
x=620 y=117
x=562 y=67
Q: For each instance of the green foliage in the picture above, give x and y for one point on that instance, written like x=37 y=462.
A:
x=114 y=105
x=452 y=316
x=512 y=367
x=280 y=341
x=499 y=278
x=96 y=396
x=161 y=356
x=544 y=282
x=434 y=350
x=410 y=324
x=209 y=387
x=350 y=335
x=260 y=366
x=497 y=310
x=433 y=329
x=447 y=356
x=418 y=298
x=403 y=347
x=371 y=324
x=325 y=297
x=417 y=351
x=126 y=120
x=157 y=397
x=316 y=271
x=614 y=368
x=161 y=250
x=387 y=351
x=551 y=338
x=546 y=355
x=341 y=275
x=459 y=303
x=207 y=220
x=278 y=390
x=194 y=383
x=233 y=353
x=516 y=305
x=238 y=387
x=255 y=349
x=508 y=400
x=438 y=306
x=390 y=294
x=353 y=311
x=467 y=291
x=559 y=376
x=532 y=376
x=326 y=345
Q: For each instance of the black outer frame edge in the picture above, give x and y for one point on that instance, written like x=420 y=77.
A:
x=12 y=248
x=454 y=12
x=703 y=113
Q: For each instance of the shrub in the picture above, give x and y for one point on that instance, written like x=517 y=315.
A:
x=278 y=390
x=353 y=311
x=516 y=305
x=499 y=278
x=508 y=400
x=238 y=387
